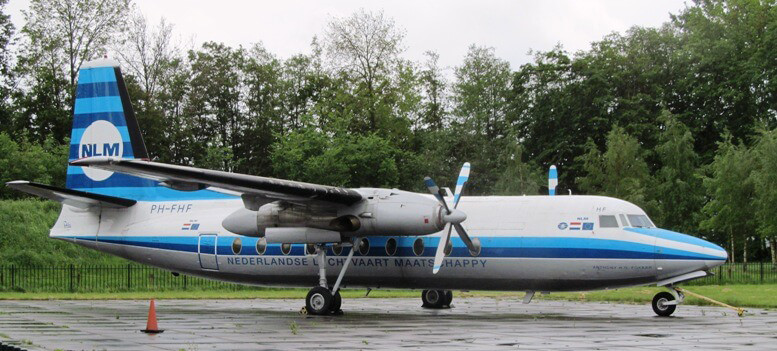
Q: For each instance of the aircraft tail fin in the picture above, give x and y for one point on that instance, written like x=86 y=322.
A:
x=104 y=124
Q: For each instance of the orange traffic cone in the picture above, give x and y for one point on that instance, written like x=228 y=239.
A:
x=151 y=327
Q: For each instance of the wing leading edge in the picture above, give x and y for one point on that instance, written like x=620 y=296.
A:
x=192 y=178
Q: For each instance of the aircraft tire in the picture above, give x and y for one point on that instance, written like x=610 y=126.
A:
x=448 y=298
x=658 y=304
x=319 y=301
x=433 y=298
x=337 y=302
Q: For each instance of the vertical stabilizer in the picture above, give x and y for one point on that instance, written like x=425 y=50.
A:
x=104 y=124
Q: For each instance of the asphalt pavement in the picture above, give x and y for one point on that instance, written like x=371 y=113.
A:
x=372 y=324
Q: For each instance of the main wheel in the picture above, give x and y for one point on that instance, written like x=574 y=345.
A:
x=448 y=298
x=433 y=298
x=337 y=302
x=319 y=301
x=659 y=304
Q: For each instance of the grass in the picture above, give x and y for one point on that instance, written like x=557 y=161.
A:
x=763 y=296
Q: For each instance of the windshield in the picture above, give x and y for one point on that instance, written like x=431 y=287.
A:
x=640 y=221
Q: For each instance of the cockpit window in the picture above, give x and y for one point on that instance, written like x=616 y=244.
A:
x=640 y=221
x=624 y=222
x=608 y=222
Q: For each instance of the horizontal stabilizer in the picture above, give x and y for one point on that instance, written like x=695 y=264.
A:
x=70 y=197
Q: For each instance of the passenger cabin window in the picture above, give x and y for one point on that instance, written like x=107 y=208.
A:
x=608 y=222
x=640 y=221
x=624 y=222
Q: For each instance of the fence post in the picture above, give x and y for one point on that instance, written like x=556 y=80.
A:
x=129 y=276
x=72 y=274
x=13 y=277
x=762 y=272
x=184 y=282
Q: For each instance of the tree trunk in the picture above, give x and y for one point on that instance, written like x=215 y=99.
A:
x=731 y=257
x=772 y=244
x=744 y=255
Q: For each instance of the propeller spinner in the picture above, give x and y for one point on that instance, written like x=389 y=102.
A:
x=452 y=217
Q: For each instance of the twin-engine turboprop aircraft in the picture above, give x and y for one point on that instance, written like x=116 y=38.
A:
x=264 y=231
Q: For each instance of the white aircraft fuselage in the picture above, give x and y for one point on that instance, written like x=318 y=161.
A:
x=542 y=243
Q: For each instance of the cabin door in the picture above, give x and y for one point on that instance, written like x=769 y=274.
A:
x=207 y=251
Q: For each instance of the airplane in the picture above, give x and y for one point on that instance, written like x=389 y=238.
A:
x=271 y=232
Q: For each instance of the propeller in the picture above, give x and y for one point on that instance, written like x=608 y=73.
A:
x=452 y=217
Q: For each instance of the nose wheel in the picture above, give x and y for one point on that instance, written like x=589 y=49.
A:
x=664 y=304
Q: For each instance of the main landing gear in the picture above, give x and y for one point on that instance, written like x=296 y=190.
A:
x=665 y=303
x=436 y=299
x=321 y=300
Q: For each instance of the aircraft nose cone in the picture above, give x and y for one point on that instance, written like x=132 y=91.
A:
x=721 y=253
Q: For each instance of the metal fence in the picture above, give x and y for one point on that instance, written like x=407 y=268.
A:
x=115 y=278
x=740 y=273
x=132 y=277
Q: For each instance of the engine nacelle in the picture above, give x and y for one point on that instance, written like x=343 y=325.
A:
x=280 y=214
x=383 y=212
x=401 y=213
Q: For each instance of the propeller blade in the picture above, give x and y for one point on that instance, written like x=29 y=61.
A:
x=464 y=237
x=435 y=190
x=463 y=178
x=440 y=254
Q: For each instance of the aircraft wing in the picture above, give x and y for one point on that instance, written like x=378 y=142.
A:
x=191 y=178
x=70 y=197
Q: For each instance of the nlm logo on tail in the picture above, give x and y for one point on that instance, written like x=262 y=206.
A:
x=101 y=138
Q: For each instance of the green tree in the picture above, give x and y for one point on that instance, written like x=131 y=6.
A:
x=621 y=171
x=6 y=80
x=679 y=193
x=75 y=31
x=59 y=36
x=364 y=47
x=434 y=86
x=43 y=163
x=730 y=189
x=214 y=101
x=345 y=160
x=518 y=177
x=764 y=179
x=481 y=114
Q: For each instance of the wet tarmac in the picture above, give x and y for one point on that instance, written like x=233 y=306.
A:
x=473 y=323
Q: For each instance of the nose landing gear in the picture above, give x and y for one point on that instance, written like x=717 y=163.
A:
x=665 y=302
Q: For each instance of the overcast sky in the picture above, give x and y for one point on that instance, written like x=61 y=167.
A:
x=448 y=27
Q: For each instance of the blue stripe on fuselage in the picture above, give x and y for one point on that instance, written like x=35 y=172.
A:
x=511 y=247
x=674 y=236
x=157 y=193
